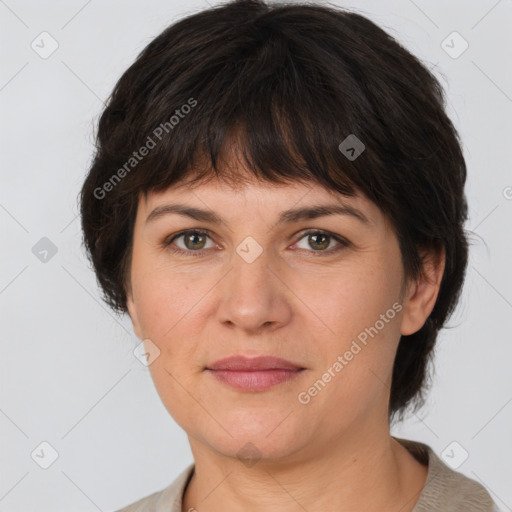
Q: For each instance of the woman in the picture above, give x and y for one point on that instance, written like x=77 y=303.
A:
x=277 y=201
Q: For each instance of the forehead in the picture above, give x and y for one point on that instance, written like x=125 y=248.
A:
x=236 y=199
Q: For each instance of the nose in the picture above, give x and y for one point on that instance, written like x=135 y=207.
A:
x=253 y=296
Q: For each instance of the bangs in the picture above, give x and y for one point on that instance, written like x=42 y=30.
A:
x=265 y=105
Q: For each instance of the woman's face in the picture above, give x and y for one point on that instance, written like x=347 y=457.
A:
x=261 y=282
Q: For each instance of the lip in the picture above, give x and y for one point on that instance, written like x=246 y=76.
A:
x=246 y=364
x=254 y=374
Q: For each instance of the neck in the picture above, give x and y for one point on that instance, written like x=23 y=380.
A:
x=349 y=474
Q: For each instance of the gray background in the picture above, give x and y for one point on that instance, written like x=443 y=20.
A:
x=68 y=374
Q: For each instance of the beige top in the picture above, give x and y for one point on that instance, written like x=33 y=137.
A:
x=445 y=490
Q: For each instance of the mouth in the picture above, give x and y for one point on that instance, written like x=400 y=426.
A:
x=246 y=364
x=254 y=374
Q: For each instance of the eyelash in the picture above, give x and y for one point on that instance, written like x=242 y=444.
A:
x=166 y=244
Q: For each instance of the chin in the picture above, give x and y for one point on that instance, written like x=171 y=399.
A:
x=253 y=441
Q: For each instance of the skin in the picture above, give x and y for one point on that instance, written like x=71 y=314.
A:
x=294 y=302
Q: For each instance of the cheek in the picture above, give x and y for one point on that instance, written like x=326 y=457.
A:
x=175 y=390
x=362 y=313
x=350 y=301
x=166 y=299
x=171 y=311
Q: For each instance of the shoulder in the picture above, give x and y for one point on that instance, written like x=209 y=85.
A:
x=447 y=490
x=168 y=499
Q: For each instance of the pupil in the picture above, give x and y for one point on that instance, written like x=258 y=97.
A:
x=322 y=246
x=190 y=239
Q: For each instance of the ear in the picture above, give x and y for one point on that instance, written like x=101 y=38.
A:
x=422 y=294
x=132 y=310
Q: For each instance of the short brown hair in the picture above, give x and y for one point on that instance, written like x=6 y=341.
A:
x=291 y=82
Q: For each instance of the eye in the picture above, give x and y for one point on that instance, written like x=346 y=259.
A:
x=193 y=242
x=321 y=242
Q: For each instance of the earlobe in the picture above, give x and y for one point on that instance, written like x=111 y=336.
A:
x=423 y=294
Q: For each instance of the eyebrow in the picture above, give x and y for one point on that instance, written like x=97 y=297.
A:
x=285 y=217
